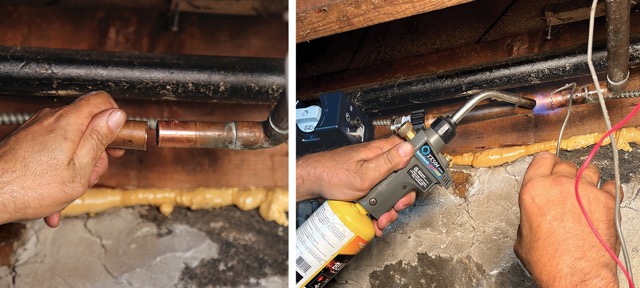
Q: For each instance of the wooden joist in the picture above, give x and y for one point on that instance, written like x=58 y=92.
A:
x=143 y=31
x=573 y=11
x=315 y=19
x=232 y=7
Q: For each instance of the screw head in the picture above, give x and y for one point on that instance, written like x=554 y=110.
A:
x=373 y=201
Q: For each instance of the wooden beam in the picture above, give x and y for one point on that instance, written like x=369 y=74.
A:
x=232 y=7
x=315 y=19
x=141 y=31
x=567 y=12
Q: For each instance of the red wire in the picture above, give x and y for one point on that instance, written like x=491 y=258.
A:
x=579 y=175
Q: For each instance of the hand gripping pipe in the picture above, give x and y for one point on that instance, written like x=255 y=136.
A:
x=233 y=135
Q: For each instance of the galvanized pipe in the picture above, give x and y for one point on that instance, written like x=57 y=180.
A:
x=236 y=135
x=618 y=23
x=57 y=72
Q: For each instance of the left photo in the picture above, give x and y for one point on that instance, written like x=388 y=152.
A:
x=143 y=143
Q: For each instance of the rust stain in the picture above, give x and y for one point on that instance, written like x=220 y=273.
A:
x=461 y=183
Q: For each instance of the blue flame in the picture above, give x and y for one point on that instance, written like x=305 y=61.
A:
x=543 y=105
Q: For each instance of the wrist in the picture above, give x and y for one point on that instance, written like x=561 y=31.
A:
x=307 y=179
x=577 y=276
x=8 y=204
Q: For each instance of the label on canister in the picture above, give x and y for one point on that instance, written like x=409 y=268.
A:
x=324 y=246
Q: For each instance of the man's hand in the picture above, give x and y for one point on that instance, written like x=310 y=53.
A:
x=554 y=241
x=350 y=172
x=54 y=157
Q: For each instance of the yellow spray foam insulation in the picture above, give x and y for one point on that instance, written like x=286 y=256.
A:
x=272 y=204
x=499 y=156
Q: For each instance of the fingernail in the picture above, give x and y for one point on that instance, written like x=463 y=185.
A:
x=116 y=119
x=405 y=150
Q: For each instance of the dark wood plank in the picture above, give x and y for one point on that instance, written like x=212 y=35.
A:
x=233 y=7
x=427 y=33
x=141 y=31
x=329 y=54
x=573 y=11
x=571 y=35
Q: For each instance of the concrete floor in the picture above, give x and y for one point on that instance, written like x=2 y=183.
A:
x=138 y=247
x=446 y=240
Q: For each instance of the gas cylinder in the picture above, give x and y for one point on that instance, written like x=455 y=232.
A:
x=327 y=241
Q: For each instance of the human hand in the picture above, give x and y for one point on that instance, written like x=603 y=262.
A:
x=53 y=158
x=554 y=241
x=350 y=172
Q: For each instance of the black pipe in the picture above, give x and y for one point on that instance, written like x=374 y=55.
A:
x=124 y=75
x=276 y=127
x=412 y=94
x=618 y=15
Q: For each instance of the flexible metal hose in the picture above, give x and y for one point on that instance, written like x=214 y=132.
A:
x=18 y=118
x=14 y=118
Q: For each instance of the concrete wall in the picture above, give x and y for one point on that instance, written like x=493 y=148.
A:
x=466 y=240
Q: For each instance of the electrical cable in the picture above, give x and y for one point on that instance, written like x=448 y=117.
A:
x=616 y=167
x=583 y=167
x=566 y=118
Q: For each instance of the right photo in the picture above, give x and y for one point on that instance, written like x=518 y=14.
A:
x=455 y=143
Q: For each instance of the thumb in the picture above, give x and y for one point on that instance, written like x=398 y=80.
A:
x=381 y=166
x=53 y=220
x=101 y=131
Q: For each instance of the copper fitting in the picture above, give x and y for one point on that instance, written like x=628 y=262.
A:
x=133 y=135
x=192 y=134
x=195 y=134
x=232 y=135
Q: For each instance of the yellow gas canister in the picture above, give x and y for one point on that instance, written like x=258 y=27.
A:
x=326 y=242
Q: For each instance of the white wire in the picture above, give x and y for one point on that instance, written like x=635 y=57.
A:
x=566 y=118
x=605 y=113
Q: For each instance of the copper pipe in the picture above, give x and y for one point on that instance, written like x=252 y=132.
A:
x=133 y=135
x=233 y=135
x=195 y=134
x=192 y=134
